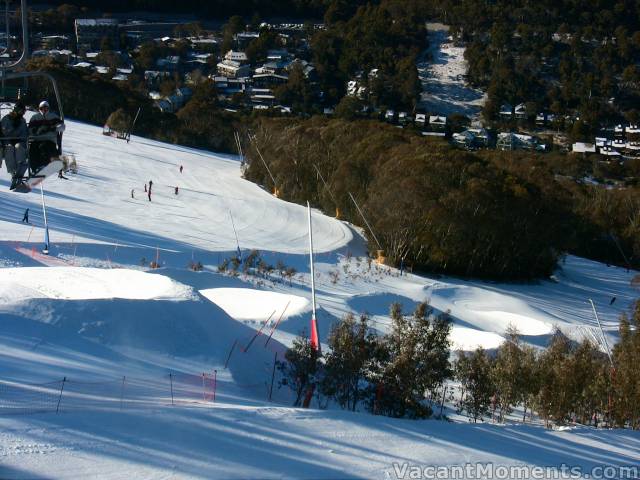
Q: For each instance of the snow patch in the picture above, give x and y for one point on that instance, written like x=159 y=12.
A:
x=250 y=304
x=463 y=338
x=80 y=283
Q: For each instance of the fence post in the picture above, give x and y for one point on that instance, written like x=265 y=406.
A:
x=122 y=392
x=60 y=397
x=215 y=383
x=273 y=374
x=171 y=383
x=230 y=352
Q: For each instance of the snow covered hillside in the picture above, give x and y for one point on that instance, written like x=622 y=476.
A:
x=167 y=372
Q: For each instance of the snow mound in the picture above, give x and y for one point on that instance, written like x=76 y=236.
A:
x=467 y=339
x=250 y=304
x=492 y=311
x=81 y=283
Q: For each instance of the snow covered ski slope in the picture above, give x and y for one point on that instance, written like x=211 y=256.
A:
x=97 y=202
x=166 y=373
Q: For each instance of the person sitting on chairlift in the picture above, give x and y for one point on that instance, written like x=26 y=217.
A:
x=14 y=143
x=45 y=129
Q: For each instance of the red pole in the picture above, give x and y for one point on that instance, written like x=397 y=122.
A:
x=259 y=332
x=273 y=329
x=315 y=341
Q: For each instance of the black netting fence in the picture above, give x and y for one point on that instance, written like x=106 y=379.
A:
x=24 y=398
x=70 y=394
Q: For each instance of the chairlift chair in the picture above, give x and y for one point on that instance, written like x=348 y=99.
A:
x=9 y=71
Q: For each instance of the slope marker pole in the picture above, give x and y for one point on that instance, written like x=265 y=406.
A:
x=275 y=185
x=259 y=331
x=365 y=220
x=328 y=190
x=215 y=384
x=315 y=339
x=230 y=352
x=45 y=250
x=273 y=374
x=60 y=396
x=122 y=392
x=171 y=384
x=236 y=234
x=604 y=338
x=273 y=329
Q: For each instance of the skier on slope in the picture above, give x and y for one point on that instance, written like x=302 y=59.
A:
x=14 y=143
x=45 y=127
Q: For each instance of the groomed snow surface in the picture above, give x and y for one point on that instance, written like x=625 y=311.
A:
x=167 y=372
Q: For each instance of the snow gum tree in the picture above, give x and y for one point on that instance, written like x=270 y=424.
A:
x=626 y=380
x=507 y=373
x=346 y=365
x=551 y=400
x=300 y=368
x=473 y=370
x=417 y=351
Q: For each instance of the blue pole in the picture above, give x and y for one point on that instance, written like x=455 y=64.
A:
x=45 y=250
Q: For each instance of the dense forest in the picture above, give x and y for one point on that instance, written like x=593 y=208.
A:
x=221 y=9
x=490 y=214
x=567 y=56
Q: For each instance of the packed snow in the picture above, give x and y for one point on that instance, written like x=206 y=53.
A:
x=79 y=283
x=167 y=372
x=248 y=303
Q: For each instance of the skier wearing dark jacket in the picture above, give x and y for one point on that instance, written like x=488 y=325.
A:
x=45 y=128
x=14 y=143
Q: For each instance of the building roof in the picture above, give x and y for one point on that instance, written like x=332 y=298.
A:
x=609 y=152
x=270 y=75
x=247 y=35
x=236 y=56
x=97 y=22
x=581 y=147
x=463 y=137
